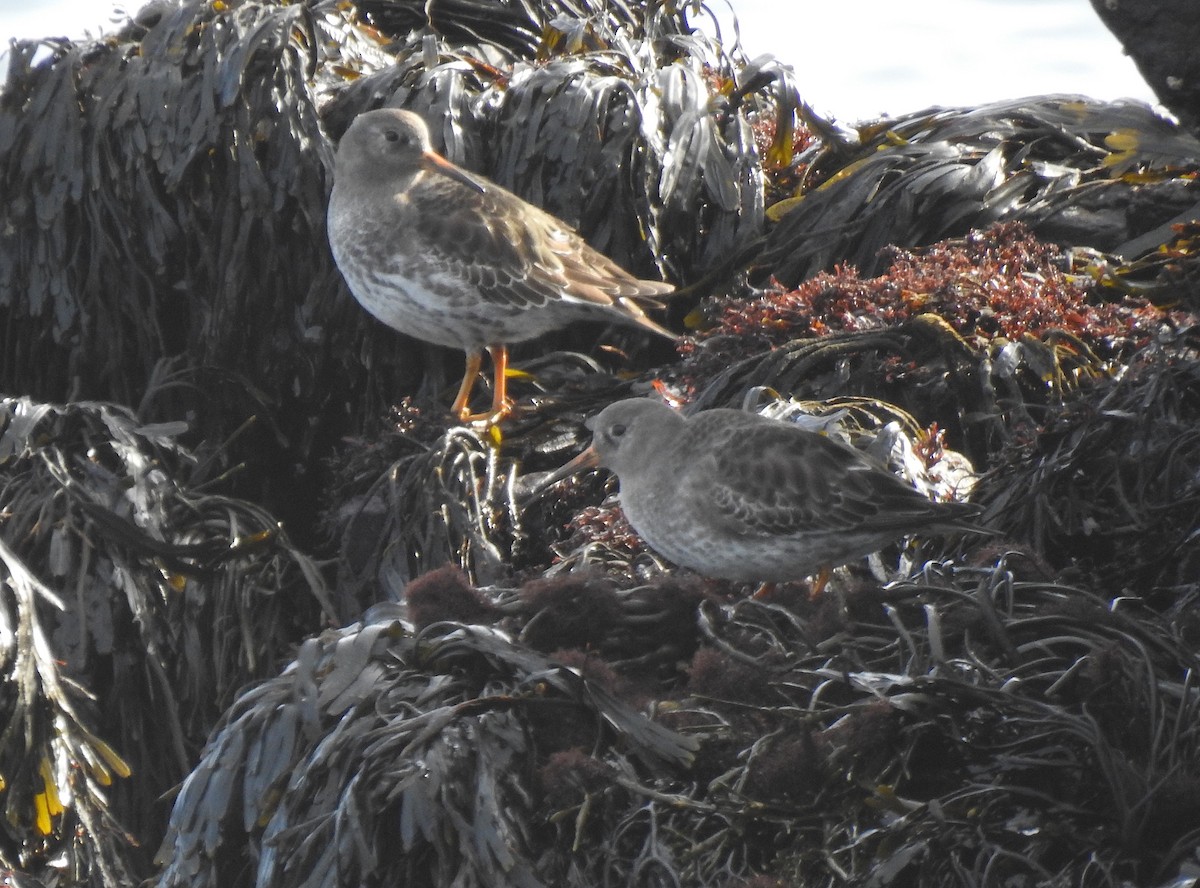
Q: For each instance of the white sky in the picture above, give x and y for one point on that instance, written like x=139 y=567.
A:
x=863 y=58
x=57 y=18
x=853 y=59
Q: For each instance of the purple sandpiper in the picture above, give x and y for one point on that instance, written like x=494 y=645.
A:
x=449 y=257
x=744 y=497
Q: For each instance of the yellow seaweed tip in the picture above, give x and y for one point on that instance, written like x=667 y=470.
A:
x=119 y=766
x=1122 y=140
x=693 y=318
x=53 y=801
x=781 y=208
x=41 y=814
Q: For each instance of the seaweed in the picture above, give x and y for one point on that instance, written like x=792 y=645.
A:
x=967 y=723
x=135 y=606
x=1109 y=176
x=165 y=218
x=379 y=755
x=1115 y=472
x=418 y=498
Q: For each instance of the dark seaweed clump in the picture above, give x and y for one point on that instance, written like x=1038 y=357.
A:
x=971 y=721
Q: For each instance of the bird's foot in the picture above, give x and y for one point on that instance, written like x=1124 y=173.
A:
x=488 y=418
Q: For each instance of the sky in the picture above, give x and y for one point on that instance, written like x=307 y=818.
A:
x=865 y=58
x=852 y=60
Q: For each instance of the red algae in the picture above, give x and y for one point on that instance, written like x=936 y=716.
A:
x=607 y=525
x=999 y=283
x=783 y=180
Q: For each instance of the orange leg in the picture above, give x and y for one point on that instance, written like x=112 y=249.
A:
x=763 y=591
x=501 y=406
x=459 y=407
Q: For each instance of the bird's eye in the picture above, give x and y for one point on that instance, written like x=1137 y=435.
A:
x=616 y=430
x=391 y=135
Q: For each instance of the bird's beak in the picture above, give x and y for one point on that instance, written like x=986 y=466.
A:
x=435 y=163
x=589 y=459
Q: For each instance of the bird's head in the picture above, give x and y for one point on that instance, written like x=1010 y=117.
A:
x=621 y=434
x=624 y=432
x=391 y=142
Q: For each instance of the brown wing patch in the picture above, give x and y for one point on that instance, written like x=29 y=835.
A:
x=523 y=257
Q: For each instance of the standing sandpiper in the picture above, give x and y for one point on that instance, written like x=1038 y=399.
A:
x=449 y=257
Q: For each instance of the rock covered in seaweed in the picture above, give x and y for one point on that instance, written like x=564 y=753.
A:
x=906 y=734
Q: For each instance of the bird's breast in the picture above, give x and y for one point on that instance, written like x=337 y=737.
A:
x=403 y=284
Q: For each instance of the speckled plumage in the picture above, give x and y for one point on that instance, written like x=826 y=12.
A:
x=451 y=258
x=740 y=496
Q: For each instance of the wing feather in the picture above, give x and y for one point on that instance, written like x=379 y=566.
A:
x=524 y=257
x=773 y=480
